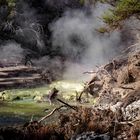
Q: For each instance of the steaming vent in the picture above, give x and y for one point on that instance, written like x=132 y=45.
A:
x=60 y=38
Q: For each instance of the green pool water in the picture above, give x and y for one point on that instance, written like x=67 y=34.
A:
x=25 y=103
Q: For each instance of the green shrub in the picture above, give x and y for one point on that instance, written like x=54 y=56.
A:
x=123 y=10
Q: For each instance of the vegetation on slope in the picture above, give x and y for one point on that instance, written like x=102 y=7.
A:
x=123 y=10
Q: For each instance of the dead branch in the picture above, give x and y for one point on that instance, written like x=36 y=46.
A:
x=102 y=70
x=79 y=98
x=76 y=95
x=129 y=122
x=126 y=123
x=72 y=107
x=50 y=114
x=56 y=109
x=89 y=72
x=132 y=46
x=31 y=120
x=127 y=87
x=85 y=89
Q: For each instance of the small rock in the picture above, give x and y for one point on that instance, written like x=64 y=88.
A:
x=91 y=136
x=132 y=111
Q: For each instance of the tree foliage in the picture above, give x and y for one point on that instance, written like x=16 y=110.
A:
x=9 y=7
x=123 y=9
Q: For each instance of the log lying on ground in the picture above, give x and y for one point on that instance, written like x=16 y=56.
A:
x=19 y=76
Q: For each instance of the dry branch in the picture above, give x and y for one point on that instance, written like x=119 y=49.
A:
x=89 y=72
x=56 y=109
x=50 y=114
x=127 y=87
x=84 y=90
x=72 y=107
x=131 y=123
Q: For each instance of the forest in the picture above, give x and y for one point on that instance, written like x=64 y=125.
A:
x=70 y=69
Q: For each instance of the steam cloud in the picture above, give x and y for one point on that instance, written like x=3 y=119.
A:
x=12 y=51
x=76 y=36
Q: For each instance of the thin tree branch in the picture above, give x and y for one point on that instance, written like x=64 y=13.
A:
x=50 y=114
x=72 y=107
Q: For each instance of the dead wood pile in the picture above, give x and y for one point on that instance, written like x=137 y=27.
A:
x=22 y=76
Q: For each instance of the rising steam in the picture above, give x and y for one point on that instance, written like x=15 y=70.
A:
x=76 y=36
x=11 y=52
x=74 y=43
